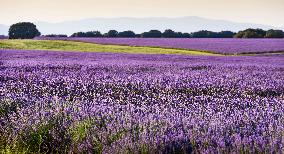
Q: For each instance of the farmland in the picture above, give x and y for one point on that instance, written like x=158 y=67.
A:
x=222 y=46
x=59 y=45
x=141 y=77
x=3 y=37
x=102 y=102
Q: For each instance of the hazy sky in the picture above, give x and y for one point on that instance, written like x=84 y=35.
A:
x=270 y=12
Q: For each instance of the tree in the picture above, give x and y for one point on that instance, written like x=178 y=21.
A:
x=79 y=34
x=23 y=30
x=240 y=34
x=112 y=33
x=186 y=35
x=226 y=34
x=138 y=35
x=210 y=34
x=260 y=32
x=179 y=35
x=126 y=34
x=251 y=33
x=204 y=34
x=87 y=34
x=93 y=34
x=274 y=34
x=152 y=34
x=168 y=33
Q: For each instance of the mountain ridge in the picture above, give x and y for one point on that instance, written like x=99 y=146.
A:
x=138 y=25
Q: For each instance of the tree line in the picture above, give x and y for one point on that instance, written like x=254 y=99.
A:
x=29 y=30
x=156 y=34
x=248 y=33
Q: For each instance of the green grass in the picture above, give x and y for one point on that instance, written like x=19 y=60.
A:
x=90 y=47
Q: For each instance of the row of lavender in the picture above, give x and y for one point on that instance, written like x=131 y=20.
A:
x=64 y=102
x=223 y=46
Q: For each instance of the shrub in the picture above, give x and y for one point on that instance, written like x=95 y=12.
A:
x=50 y=137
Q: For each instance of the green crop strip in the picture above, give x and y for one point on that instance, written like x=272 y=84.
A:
x=90 y=47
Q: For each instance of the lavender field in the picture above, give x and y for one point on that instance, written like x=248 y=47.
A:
x=216 y=45
x=3 y=37
x=75 y=102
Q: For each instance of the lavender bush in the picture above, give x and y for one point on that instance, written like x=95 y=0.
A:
x=224 y=46
x=67 y=102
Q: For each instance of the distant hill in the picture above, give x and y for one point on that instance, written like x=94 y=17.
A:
x=138 y=25
x=4 y=30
